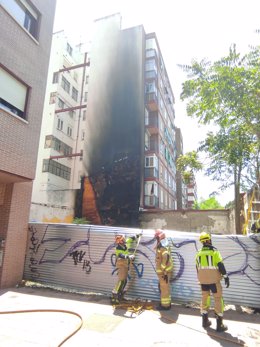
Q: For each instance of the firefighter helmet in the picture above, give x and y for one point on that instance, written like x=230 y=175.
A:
x=159 y=234
x=120 y=239
x=204 y=237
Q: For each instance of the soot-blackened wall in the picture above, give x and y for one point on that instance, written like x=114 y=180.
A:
x=115 y=123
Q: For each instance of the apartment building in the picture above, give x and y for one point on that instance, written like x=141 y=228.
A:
x=130 y=148
x=181 y=186
x=25 y=34
x=59 y=165
x=192 y=194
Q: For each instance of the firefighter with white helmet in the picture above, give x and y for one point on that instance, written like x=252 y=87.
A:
x=164 y=269
x=123 y=258
x=210 y=271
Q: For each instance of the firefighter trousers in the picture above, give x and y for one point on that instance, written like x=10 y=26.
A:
x=216 y=290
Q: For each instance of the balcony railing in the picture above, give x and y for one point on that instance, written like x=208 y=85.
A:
x=151 y=101
x=151 y=201
x=151 y=172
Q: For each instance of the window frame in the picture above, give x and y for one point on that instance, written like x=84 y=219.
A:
x=30 y=22
x=10 y=108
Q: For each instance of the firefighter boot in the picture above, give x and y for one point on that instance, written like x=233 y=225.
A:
x=220 y=326
x=205 y=321
x=114 y=299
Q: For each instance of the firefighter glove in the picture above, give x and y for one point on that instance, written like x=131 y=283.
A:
x=131 y=257
x=226 y=281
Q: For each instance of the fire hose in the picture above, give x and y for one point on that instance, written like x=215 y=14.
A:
x=56 y=311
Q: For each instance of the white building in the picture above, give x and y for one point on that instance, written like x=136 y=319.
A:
x=59 y=165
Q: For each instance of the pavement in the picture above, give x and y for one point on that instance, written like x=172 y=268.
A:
x=57 y=318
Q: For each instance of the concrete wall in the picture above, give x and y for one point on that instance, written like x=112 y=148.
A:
x=213 y=221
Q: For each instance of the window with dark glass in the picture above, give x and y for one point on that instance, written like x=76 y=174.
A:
x=57 y=169
x=24 y=13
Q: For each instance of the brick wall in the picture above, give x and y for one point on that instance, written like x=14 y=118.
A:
x=16 y=214
x=26 y=59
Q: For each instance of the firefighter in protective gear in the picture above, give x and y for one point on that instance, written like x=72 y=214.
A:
x=164 y=269
x=123 y=258
x=210 y=271
x=256 y=227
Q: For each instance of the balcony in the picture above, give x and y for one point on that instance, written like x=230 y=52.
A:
x=151 y=172
x=153 y=123
x=151 y=101
x=151 y=201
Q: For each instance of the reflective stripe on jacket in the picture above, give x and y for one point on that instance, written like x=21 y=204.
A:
x=207 y=260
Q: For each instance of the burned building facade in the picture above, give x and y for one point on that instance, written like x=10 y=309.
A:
x=130 y=151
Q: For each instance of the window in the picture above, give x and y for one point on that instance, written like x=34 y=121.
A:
x=69 y=49
x=52 y=98
x=65 y=84
x=151 y=188
x=74 y=94
x=24 y=13
x=151 y=161
x=49 y=165
x=69 y=131
x=13 y=94
x=85 y=96
x=84 y=115
x=83 y=135
x=61 y=103
x=53 y=142
x=60 y=124
x=55 y=78
x=87 y=78
x=71 y=114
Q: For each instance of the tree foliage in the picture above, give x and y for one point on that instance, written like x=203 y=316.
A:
x=188 y=164
x=226 y=94
x=208 y=204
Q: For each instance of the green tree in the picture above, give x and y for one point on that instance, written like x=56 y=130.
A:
x=208 y=204
x=187 y=164
x=226 y=94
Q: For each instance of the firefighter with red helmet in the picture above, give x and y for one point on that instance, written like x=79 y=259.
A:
x=123 y=258
x=164 y=269
x=210 y=271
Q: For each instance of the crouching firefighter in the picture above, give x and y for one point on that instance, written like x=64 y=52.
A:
x=164 y=269
x=210 y=271
x=123 y=258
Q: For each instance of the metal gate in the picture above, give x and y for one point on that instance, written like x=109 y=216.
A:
x=82 y=258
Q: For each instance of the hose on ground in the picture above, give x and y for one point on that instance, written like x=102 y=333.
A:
x=56 y=311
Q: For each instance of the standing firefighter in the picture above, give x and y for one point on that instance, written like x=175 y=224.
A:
x=210 y=270
x=164 y=268
x=123 y=258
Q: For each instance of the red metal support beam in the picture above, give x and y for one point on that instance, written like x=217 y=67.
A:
x=70 y=108
x=74 y=67
x=67 y=156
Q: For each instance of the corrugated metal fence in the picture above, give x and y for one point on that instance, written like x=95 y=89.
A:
x=82 y=258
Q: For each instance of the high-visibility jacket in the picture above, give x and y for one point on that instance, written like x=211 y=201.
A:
x=122 y=250
x=164 y=262
x=208 y=259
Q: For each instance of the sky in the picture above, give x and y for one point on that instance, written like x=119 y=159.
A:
x=186 y=30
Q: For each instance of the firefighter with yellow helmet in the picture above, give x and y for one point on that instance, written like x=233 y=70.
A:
x=164 y=269
x=123 y=258
x=210 y=271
